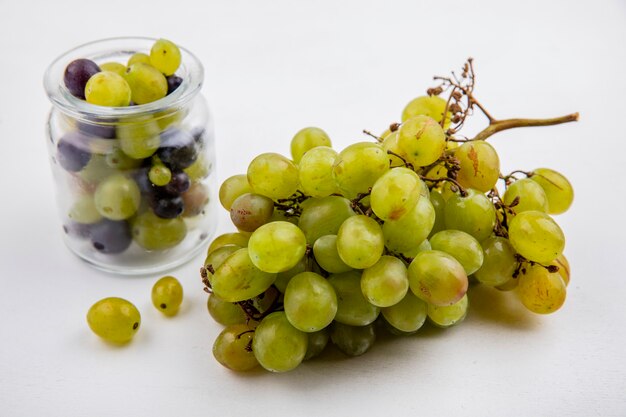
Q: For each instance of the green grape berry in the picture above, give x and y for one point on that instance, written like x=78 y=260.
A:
x=536 y=236
x=421 y=140
x=233 y=348
x=558 y=189
x=277 y=345
x=437 y=278
x=114 y=319
x=160 y=175
x=117 y=197
x=310 y=302
x=276 y=246
x=431 y=106
x=307 y=139
x=109 y=89
x=146 y=83
x=167 y=295
x=165 y=56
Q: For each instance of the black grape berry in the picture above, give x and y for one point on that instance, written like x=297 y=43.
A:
x=178 y=184
x=72 y=153
x=77 y=73
x=178 y=149
x=110 y=236
x=173 y=82
x=167 y=206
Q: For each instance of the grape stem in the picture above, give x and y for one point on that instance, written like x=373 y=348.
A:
x=462 y=190
x=496 y=126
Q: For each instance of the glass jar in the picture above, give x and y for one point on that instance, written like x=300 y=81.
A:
x=105 y=161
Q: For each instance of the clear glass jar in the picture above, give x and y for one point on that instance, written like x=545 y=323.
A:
x=112 y=214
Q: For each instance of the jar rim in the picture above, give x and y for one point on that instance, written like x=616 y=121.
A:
x=190 y=70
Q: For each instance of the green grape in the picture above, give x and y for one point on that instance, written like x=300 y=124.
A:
x=358 y=167
x=390 y=143
x=107 y=89
x=407 y=233
x=317 y=343
x=273 y=176
x=238 y=239
x=114 y=319
x=146 y=83
x=541 y=292
x=284 y=216
x=564 y=269
x=96 y=170
x=238 y=279
x=195 y=199
x=251 y=211
x=327 y=256
x=283 y=278
x=352 y=307
x=479 y=165
x=446 y=316
x=558 y=189
x=165 y=56
x=310 y=302
x=353 y=340
x=437 y=278
x=232 y=188
x=232 y=348
x=395 y=193
x=530 y=196
x=118 y=160
x=422 y=140
x=167 y=295
x=463 y=247
x=117 y=197
x=499 y=262
x=386 y=282
x=154 y=233
x=115 y=67
x=170 y=117
x=307 y=139
x=316 y=172
x=277 y=345
x=360 y=242
x=160 y=175
x=431 y=106
x=425 y=245
x=200 y=169
x=408 y=315
x=537 y=237
x=324 y=216
x=84 y=210
x=473 y=214
x=139 y=137
x=225 y=313
x=276 y=247
x=138 y=58
x=439 y=203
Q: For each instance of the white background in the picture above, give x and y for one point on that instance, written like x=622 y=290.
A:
x=271 y=69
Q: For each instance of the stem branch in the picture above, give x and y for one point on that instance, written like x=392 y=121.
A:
x=500 y=125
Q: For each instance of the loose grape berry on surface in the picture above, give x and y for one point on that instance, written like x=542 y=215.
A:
x=114 y=319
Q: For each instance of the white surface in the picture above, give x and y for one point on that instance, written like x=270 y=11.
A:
x=270 y=70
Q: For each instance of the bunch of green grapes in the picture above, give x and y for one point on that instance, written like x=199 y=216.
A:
x=337 y=245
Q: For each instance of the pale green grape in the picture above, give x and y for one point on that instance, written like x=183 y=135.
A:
x=499 y=262
x=541 y=291
x=358 y=167
x=139 y=137
x=407 y=233
x=530 y=196
x=167 y=295
x=564 y=269
x=422 y=140
x=223 y=312
x=277 y=345
x=283 y=216
x=360 y=242
x=201 y=168
x=431 y=106
x=324 y=216
x=232 y=348
x=316 y=172
x=115 y=67
x=386 y=282
x=154 y=233
x=283 y=278
x=232 y=188
x=437 y=278
x=425 y=245
x=114 y=319
x=537 y=237
x=408 y=315
x=238 y=239
x=117 y=197
x=251 y=211
x=118 y=160
x=96 y=170
x=353 y=340
x=238 y=279
x=317 y=343
x=479 y=165
x=214 y=259
x=558 y=189
x=395 y=193
x=273 y=176
x=327 y=256
x=352 y=307
x=473 y=214
x=276 y=246
x=310 y=302
x=84 y=210
x=165 y=56
x=390 y=143
x=107 y=89
x=138 y=58
x=307 y=139
x=146 y=83
x=439 y=203
x=446 y=316
x=463 y=247
x=160 y=175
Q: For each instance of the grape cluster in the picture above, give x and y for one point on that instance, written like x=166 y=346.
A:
x=332 y=246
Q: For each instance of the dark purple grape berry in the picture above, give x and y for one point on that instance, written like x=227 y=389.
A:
x=199 y=136
x=168 y=207
x=72 y=151
x=173 y=82
x=77 y=73
x=110 y=236
x=143 y=181
x=98 y=130
x=178 y=184
x=178 y=149
x=77 y=230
